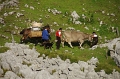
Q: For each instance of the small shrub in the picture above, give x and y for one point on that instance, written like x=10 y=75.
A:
x=104 y=67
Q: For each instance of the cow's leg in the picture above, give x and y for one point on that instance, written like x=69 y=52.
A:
x=70 y=44
x=80 y=43
x=63 y=41
x=62 y=44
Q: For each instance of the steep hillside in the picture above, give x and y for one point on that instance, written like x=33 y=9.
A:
x=101 y=16
x=95 y=15
x=27 y=64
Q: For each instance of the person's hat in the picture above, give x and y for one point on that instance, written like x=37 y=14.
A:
x=60 y=28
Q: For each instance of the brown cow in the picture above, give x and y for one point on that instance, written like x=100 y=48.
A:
x=75 y=36
x=28 y=34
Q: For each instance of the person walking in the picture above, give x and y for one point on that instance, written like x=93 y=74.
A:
x=58 y=38
x=45 y=35
x=95 y=39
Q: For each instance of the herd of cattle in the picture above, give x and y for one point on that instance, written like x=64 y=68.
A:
x=34 y=35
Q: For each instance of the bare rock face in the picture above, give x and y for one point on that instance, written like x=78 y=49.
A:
x=10 y=75
x=114 y=48
x=117 y=47
x=1 y=72
x=20 y=62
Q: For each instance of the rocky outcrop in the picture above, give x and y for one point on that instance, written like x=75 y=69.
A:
x=113 y=49
x=75 y=17
x=20 y=62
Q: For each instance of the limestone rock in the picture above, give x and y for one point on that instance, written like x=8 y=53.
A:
x=1 y=72
x=24 y=63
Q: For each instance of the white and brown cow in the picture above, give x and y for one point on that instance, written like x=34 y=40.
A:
x=75 y=36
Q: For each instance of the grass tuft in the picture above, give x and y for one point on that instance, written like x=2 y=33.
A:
x=3 y=49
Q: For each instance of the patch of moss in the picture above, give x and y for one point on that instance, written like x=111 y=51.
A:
x=25 y=63
x=4 y=49
x=53 y=71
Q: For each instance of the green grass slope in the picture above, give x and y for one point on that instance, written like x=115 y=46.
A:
x=95 y=11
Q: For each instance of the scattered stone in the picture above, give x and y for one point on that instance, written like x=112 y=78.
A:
x=19 y=14
x=54 y=11
x=5 y=14
x=31 y=7
x=70 y=28
x=11 y=13
x=2 y=21
x=75 y=17
x=13 y=3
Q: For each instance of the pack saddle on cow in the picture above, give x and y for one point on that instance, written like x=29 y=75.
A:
x=35 y=30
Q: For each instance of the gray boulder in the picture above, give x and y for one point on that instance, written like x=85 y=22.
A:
x=1 y=72
x=117 y=47
x=116 y=74
x=5 y=66
x=92 y=75
x=43 y=75
x=11 y=75
x=102 y=74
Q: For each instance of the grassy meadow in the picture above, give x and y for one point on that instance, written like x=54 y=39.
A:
x=107 y=11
